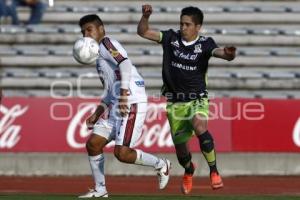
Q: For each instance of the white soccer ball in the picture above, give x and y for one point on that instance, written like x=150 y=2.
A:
x=86 y=50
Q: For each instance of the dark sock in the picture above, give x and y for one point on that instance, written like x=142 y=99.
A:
x=183 y=161
x=190 y=169
x=207 y=148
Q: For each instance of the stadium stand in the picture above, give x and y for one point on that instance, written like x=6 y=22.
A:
x=35 y=58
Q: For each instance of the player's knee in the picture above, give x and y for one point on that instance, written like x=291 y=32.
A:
x=92 y=146
x=199 y=124
x=200 y=129
x=121 y=154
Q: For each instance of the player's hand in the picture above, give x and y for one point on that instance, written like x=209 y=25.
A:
x=95 y=116
x=230 y=52
x=123 y=103
x=147 y=10
x=91 y=120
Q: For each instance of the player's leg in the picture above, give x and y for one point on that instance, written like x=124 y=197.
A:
x=199 y=122
x=185 y=160
x=99 y=138
x=135 y=156
x=181 y=130
x=130 y=130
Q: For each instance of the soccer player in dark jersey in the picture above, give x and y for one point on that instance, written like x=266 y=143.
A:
x=185 y=62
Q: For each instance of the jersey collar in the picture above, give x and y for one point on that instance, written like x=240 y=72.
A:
x=185 y=43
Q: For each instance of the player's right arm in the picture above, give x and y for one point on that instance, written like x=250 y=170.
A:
x=143 y=27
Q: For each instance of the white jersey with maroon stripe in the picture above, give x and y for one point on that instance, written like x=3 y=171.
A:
x=111 y=54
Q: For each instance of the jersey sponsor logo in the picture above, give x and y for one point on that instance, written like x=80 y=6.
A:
x=184 y=67
x=140 y=83
x=202 y=39
x=175 y=43
x=198 y=48
x=182 y=55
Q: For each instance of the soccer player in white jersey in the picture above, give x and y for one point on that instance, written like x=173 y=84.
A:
x=126 y=102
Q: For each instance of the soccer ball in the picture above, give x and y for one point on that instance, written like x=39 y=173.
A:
x=86 y=50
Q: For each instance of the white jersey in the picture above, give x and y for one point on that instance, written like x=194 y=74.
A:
x=111 y=55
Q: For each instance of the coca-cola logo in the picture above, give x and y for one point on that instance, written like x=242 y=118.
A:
x=156 y=130
x=77 y=125
x=10 y=132
x=296 y=133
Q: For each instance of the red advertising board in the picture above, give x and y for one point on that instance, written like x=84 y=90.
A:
x=275 y=129
x=58 y=125
x=37 y=124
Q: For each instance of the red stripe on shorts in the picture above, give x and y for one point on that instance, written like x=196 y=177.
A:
x=130 y=125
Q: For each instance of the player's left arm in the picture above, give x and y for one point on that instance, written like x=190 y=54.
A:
x=125 y=67
x=117 y=54
x=125 y=72
x=226 y=53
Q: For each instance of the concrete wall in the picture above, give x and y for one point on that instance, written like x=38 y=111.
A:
x=230 y=164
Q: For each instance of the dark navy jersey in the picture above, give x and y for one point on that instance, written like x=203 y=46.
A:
x=185 y=67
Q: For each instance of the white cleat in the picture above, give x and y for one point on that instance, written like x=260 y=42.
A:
x=93 y=193
x=164 y=174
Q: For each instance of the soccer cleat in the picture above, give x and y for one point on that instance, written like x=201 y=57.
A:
x=187 y=182
x=216 y=181
x=164 y=174
x=93 y=193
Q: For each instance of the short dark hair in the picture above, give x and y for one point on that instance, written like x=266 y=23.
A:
x=194 y=12
x=90 y=18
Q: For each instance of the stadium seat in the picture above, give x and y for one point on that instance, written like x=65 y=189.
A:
x=266 y=35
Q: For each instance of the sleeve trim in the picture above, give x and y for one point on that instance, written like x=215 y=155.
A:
x=113 y=50
x=213 y=51
x=160 y=37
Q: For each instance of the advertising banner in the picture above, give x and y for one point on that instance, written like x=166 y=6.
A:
x=37 y=124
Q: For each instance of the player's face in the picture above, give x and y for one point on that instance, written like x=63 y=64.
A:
x=93 y=30
x=188 y=29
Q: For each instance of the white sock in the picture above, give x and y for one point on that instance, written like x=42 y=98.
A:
x=97 y=166
x=148 y=159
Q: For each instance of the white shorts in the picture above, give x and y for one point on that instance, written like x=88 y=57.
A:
x=124 y=130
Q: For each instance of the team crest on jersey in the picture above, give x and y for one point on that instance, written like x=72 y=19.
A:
x=175 y=43
x=114 y=53
x=202 y=38
x=198 y=48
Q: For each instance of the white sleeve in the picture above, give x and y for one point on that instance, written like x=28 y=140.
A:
x=125 y=71
x=115 y=53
